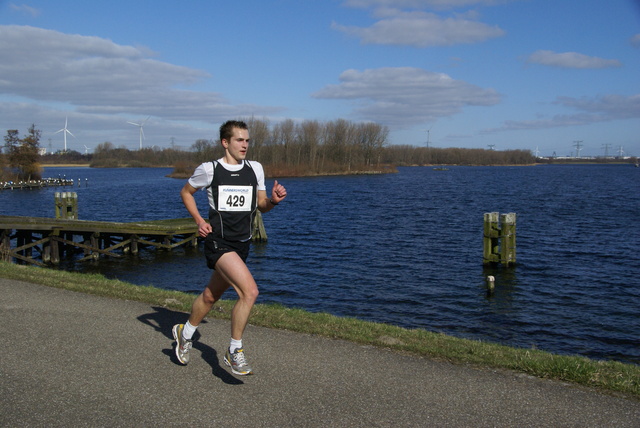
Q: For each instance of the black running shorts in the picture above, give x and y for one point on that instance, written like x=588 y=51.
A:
x=214 y=248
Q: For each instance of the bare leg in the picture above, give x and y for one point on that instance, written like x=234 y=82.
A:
x=205 y=301
x=234 y=272
x=230 y=271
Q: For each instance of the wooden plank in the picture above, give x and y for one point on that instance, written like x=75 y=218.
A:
x=159 y=227
x=32 y=244
x=155 y=244
x=186 y=240
x=27 y=259
x=80 y=245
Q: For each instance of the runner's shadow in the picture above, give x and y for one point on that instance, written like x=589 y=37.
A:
x=163 y=320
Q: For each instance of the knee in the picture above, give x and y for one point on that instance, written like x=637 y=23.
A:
x=208 y=298
x=251 y=295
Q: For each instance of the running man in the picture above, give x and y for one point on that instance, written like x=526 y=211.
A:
x=236 y=189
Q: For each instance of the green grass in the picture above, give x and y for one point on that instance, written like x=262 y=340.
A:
x=605 y=375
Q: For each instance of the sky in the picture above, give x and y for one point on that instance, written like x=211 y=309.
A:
x=553 y=77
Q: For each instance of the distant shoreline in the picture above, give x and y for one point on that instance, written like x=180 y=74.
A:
x=65 y=165
x=563 y=162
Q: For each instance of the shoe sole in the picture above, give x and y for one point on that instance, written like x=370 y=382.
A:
x=175 y=337
x=234 y=371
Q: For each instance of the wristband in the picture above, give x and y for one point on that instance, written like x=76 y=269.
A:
x=273 y=203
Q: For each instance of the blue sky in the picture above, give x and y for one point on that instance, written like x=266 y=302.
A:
x=513 y=74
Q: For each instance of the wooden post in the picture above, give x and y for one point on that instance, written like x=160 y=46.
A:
x=508 y=239
x=259 y=233
x=95 y=243
x=5 y=245
x=491 y=238
x=66 y=205
x=499 y=243
x=55 y=247
x=134 y=244
x=46 y=251
x=72 y=208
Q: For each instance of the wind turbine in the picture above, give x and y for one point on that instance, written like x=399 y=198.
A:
x=66 y=131
x=141 y=124
x=86 y=149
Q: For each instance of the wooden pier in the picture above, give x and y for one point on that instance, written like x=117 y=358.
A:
x=45 y=241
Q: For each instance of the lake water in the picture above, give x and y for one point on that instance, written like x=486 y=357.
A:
x=406 y=249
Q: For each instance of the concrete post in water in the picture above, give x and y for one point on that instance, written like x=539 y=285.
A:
x=66 y=205
x=491 y=284
x=499 y=244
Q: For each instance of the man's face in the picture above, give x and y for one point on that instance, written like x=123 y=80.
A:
x=238 y=145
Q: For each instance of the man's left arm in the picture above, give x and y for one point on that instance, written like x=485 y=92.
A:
x=278 y=193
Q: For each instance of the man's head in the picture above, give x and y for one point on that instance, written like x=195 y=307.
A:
x=234 y=137
x=226 y=130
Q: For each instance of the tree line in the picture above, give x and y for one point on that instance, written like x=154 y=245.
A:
x=286 y=148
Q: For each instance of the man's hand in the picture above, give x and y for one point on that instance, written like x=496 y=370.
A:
x=204 y=229
x=278 y=192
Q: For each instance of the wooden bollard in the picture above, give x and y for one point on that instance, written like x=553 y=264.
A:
x=508 y=239
x=259 y=233
x=499 y=239
x=66 y=205
x=491 y=238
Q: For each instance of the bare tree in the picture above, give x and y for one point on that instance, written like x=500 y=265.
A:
x=23 y=153
x=259 y=133
x=309 y=135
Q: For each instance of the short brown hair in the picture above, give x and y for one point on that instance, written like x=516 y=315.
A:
x=226 y=130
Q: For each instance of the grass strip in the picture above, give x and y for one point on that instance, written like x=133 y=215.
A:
x=606 y=375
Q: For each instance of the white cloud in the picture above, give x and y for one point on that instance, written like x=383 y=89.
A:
x=635 y=40
x=32 y=11
x=607 y=107
x=46 y=76
x=406 y=96
x=92 y=73
x=421 y=29
x=590 y=110
x=417 y=4
x=99 y=76
x=571 y=60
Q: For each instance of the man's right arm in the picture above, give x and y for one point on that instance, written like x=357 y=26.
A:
x=189 y=201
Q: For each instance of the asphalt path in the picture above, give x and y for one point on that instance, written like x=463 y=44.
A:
x=73 y=359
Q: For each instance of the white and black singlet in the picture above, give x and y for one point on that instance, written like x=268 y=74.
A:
x=233 y=196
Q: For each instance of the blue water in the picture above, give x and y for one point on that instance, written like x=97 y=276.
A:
x=406 y=249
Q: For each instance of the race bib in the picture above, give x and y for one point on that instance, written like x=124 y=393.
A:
x=235 y=198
